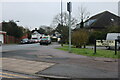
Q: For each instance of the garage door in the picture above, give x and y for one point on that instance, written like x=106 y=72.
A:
x=1 y=38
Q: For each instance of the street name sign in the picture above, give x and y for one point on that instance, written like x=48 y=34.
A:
x=105 y=42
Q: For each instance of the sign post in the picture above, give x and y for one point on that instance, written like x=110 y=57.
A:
x=95 y=47
x=106 y=43
x=69 y=9
x=115 y=47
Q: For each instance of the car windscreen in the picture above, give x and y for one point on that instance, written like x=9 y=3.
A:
x=24 y=39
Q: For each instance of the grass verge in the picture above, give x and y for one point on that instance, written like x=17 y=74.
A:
x=89 y=52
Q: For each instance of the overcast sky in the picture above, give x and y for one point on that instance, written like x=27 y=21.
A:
x=35 y=14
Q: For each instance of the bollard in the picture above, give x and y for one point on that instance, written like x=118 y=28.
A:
x=95 y=47
x=116 y=47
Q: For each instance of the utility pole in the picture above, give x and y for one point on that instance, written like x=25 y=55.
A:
x=61 y=23
x=69 y=9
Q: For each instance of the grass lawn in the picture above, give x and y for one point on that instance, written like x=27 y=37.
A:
x=89 y=52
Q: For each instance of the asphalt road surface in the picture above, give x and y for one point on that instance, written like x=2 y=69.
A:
x=8 y=74
x=67 y=65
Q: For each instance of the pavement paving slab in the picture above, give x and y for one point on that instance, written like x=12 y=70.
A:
x=24 y=66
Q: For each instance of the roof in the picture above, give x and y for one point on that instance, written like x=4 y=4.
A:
x=2 y=32
x=102 y=20
x=36 y=31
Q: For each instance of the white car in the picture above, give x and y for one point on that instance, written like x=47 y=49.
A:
x=0 y=42
x=45 y=40
x=113 y=36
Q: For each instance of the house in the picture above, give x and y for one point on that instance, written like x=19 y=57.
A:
x=2 y=35
x=101 y=21
x=36 y=34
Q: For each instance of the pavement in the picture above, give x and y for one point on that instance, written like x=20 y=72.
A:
x=24 y=66
x=46 y=61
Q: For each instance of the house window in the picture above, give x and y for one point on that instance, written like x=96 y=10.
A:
x=89 y=22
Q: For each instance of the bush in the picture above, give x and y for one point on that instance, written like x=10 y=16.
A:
x=98 y=35
x=80 y=37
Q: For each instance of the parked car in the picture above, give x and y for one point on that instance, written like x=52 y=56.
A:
x=113 y=36
x=34 y=40
x=39 y=40
x=25 y=41
x=0 y=43
x=45 y=40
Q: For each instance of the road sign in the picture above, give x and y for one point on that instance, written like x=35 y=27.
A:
x=105 y=42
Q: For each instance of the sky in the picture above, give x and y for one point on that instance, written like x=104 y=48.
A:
x=35 y=14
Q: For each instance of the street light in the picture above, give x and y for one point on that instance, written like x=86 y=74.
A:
x=69 y=9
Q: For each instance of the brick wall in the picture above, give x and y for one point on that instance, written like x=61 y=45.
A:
x=11 y=39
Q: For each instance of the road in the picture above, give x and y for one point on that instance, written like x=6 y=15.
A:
x=8 y=74
x=45 y=61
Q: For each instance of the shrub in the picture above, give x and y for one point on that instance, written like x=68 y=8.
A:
x=80 y=37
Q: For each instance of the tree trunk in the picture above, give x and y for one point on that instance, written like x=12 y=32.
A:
x=84 y=46
x=61 y=44
x=78 y=46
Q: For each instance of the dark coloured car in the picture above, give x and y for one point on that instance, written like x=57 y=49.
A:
x=0 y=43
x=45 y=40
x=25 y=41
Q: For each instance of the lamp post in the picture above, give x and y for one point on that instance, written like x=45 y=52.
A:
x=69 y=9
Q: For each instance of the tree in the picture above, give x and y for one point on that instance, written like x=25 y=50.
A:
x=80 y=37
x=12 y=29
x=83 y=15
x=101 y=34
x=45 y=29
x=65 y=19
x=63 y=30
x=48 y=30
x=98 y=35
x=41 y=30
x=28 y=32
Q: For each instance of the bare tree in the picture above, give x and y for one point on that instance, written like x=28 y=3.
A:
x=46 y=29
x=65 y=18
x=83 y=15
